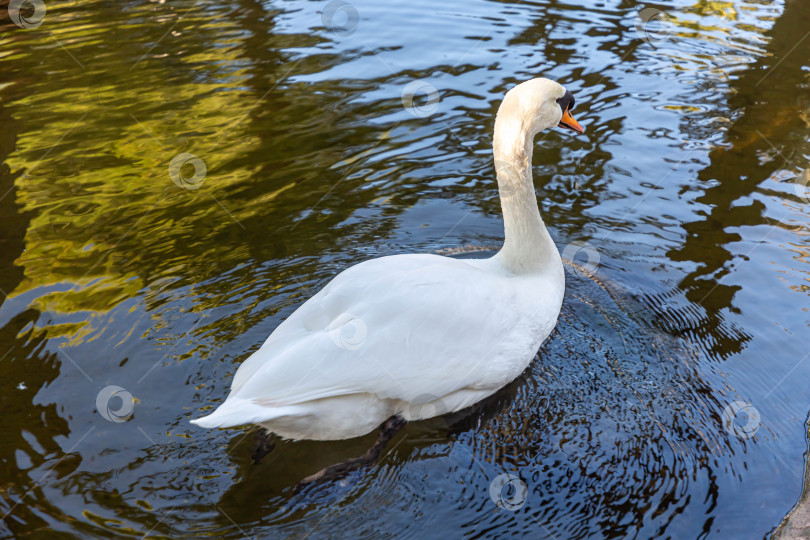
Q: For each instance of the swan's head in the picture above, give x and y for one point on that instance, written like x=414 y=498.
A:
x=540 y=104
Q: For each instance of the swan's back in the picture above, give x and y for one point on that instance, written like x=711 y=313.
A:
x=401 y=329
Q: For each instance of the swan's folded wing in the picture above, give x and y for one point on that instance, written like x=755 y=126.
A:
x=400 y=327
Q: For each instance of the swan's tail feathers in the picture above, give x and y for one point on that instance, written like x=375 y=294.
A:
x=239 y=412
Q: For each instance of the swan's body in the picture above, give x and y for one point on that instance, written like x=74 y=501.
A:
x=391 y=336
x=416 y=336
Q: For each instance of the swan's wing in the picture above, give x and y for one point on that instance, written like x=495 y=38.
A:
x=402 y=328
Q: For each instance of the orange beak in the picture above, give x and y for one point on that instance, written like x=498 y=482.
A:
x=569 y=122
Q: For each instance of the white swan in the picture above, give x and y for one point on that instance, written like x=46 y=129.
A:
x=416 y=336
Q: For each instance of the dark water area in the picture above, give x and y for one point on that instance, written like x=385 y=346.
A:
x=669 y=402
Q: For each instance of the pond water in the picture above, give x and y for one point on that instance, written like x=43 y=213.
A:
x=671 y=400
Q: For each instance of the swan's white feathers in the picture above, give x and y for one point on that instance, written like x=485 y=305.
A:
x=393 y=346
x=418 y=326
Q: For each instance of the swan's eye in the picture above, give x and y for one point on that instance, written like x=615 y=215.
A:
x=566 y=104
x=567 y=101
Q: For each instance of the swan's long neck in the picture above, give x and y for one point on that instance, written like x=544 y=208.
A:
x=527 y=248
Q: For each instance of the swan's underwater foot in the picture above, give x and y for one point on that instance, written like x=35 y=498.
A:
x=263 y=444
x=388 y=429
